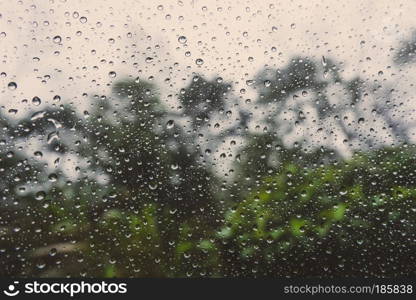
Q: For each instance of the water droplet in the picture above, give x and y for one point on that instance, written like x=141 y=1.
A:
x=153 y=186
x=57 y=39
x=37 y=115
x=53 y=252
x=324 y=61
x=36 y=101
x=12 y=86
x=199 y=61
x=40 y=195
x=112 y=74
x=53 y=177
x=170 y=124
x=182 y=39
x=54 y=135
x=40 y=265
x=38 y=154
x=55 y=123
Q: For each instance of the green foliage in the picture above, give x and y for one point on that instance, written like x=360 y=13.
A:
x=147 y=201
x=354 y=218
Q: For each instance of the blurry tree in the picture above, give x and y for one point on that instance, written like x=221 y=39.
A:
x=308 y=114
x=134 y=166
x=142 y=195
x=347 y=219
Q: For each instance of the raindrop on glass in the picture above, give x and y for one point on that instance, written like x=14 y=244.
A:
x=12 y=86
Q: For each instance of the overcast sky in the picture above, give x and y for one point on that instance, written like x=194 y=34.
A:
x=73 y=48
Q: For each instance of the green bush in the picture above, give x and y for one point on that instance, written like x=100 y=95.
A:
x=354 y=218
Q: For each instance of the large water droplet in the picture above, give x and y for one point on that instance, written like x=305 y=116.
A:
x=57 y=39
x=37 y=115
x=40 y=195
x=53 y=177
x=54 y=135
x=53 y=252
x=36 y=101
x=170 y=124
x=12 y=86
x=182 y=39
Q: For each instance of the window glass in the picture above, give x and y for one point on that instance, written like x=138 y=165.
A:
x=207 y=138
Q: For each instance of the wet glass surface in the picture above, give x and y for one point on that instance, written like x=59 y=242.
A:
x=207 y=138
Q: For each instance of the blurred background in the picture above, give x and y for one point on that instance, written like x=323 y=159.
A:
x=207 y=139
